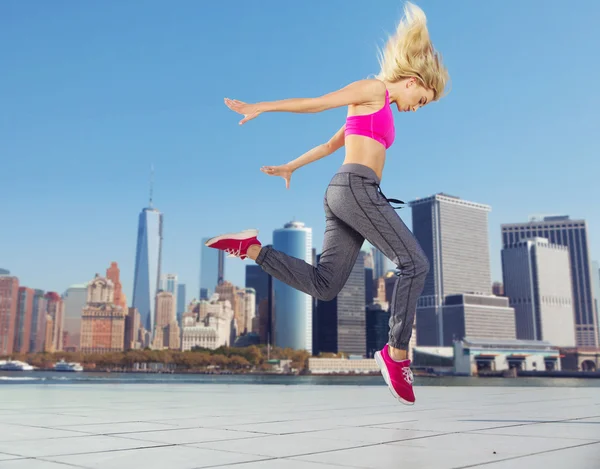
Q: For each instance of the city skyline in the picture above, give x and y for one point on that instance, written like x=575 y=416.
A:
x=448 y=226
x=172 y=279
x=164 y=109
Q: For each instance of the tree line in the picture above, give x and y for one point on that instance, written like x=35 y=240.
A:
x=240 y=359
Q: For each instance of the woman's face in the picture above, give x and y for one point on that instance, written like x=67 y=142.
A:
x=412 y=95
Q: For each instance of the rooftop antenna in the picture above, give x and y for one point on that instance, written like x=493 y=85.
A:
x=151 y=183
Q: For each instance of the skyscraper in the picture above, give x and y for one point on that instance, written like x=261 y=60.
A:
x=453 y=233
x=379 y=263
x=257 y=279
x=166 y=333
x=9 y=299
x=212 y=269
x=133 y=333
x=147 y=264
x=262 y=283
x=247 y=298
x=55 y=309
x=23 y=320
x=537 y=279
x=563 y=231
x=341 y=322
x=293 y=308
x=181 y=306
x=596 y=288
x=377 y=327
x=369 y=286
x=74 y=300
x=38 y=322
x=113 y=273
x=165 y=309
x=168 y=282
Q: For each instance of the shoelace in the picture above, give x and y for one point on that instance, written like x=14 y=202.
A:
x=408 y=375
x=234 y=252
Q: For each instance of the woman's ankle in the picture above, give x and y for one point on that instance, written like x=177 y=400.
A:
x=397 y=354
x=254 y=251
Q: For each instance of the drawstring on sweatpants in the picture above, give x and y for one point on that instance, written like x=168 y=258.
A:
x=395 y=201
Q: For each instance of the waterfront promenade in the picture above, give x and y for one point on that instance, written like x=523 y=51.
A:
x=185 y=426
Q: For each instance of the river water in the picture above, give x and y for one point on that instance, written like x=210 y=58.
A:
x=61 y=378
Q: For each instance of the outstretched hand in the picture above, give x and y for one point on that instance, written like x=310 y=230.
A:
x=283 y=171
x=249 y=111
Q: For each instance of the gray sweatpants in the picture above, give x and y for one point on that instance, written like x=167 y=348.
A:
x=356 y=210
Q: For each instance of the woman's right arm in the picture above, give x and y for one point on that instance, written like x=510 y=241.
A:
x=359 y=92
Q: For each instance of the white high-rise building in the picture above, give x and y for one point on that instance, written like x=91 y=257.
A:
x=247 y=297
x=573 y=234
x=537 y=281
x=293 y=308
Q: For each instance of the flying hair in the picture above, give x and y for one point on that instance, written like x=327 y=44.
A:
x=410 y=53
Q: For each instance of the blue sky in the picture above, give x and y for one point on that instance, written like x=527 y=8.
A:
x=93 y=93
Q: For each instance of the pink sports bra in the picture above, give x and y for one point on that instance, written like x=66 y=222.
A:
x=378 y=125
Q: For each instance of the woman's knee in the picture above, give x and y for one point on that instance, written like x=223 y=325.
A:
x=327 y=285
x=328 y=292
x=422 y=265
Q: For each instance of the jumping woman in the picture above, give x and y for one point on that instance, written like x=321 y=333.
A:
x=411 y=76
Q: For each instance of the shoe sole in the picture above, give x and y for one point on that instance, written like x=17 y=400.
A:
x=386 y=376
x=240 y=235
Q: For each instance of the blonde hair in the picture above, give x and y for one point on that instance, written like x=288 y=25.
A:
x=410 y=53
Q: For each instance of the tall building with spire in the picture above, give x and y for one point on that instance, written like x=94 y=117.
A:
x=148 y=255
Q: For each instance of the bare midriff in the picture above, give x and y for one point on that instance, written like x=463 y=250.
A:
x=365 y=151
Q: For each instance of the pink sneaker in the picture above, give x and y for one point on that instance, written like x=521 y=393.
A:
x=397 y=375
x=235 y=244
